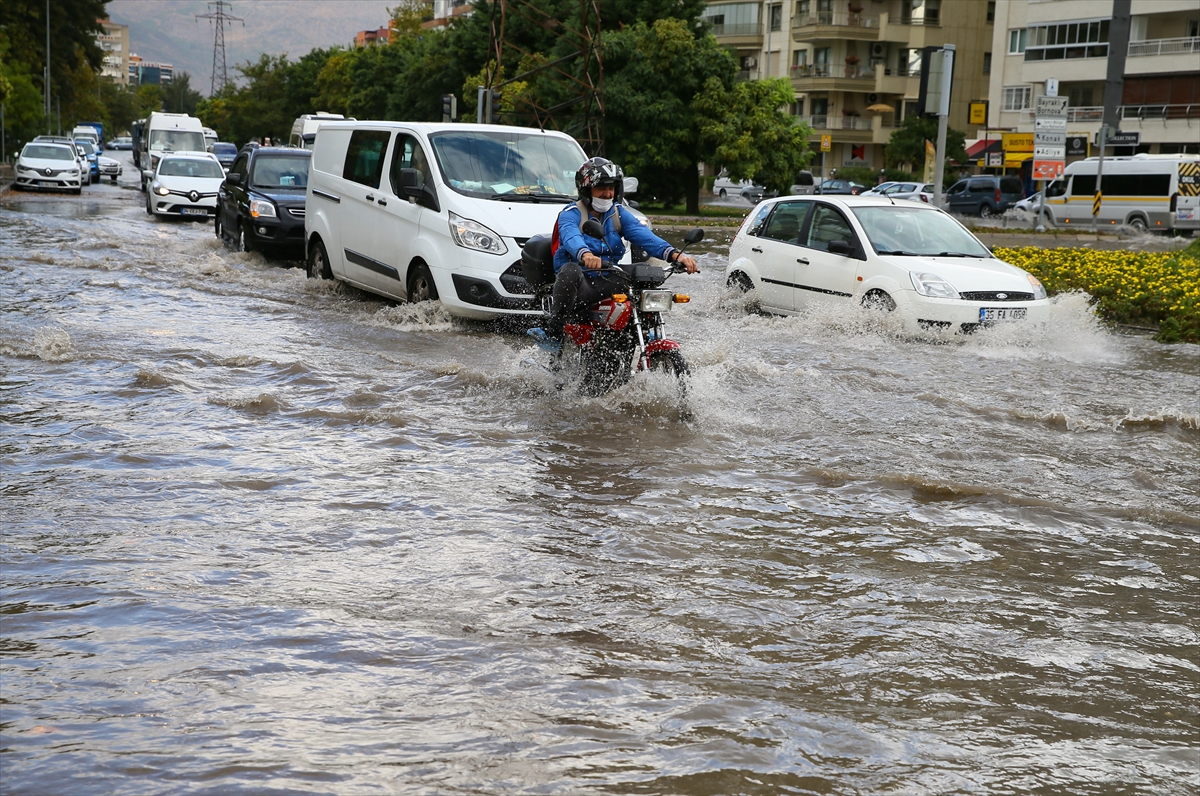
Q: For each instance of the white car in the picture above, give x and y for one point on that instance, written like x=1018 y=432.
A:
x=185 y=184
x=918 y=192
x=108 y=167
x=1029 y=204
x=52 y=166
x=866 y=251
x=725 y=187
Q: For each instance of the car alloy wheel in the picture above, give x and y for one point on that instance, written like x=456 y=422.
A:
x=985 y=211
x=420 y=285
x=318 y=261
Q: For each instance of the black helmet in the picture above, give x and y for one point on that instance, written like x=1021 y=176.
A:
x=596 y=172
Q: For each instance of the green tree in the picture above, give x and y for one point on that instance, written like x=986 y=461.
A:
x=906 y=147
x=149 y=99
x=334 y=83
x=407 y=18
x=179 y=96
x=22 y=99
x=73 y=28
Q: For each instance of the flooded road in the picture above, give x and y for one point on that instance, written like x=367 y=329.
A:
x=265 y=535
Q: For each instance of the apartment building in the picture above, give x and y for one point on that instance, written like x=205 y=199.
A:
x=144 y=72
x=114 y=43
x=855 y=65
x=365 y=38
x=1069 y=40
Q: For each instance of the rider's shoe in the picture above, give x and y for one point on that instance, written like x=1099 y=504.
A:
x=544 y=340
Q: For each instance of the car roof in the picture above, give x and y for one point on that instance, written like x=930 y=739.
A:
x=848 y=202
x=189 y=155
x=286 y=151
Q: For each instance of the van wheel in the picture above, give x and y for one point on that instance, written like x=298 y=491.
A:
x=1138 y=223
x=420 y=284
x=985 y=211
x=722 y=194
x=878 y=300
x=318 y=261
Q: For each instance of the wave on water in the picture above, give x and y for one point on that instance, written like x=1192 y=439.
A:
x=261 y=404
x=423 y=316
x=47 y=343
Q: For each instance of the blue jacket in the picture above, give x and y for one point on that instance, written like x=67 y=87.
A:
x=572 y=242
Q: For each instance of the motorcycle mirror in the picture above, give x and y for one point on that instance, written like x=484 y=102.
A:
x=593 y=229
x=695 y=236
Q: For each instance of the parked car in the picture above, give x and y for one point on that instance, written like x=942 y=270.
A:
x=84 y=166
x=108 y=167
x=260 y=205
x=985 y=195
x=878 y=189
x=49 y=166
x=184 y=184
x=89 y=152
x=121 y=142
x=1029 y=204
x=850 y=252
x=916 y=191
x=844 y=187
x=226 y=153
x=724 y=187
x=804 y=185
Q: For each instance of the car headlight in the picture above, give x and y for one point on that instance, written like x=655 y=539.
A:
x=160 y=189
x=261 y=208
x=473 y=235
x=1039 y=292
x=21 y=167
x=933 y=286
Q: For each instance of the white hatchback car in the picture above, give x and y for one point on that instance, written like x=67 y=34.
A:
x=185 y=184
x=50 y=165
x=873 y=252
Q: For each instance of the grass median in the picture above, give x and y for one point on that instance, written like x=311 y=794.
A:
x=1159 y=291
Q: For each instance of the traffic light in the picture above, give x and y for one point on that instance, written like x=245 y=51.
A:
x=494 y=108
x=449 y=107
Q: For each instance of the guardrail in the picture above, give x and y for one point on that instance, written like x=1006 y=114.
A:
x=1095 y=113
x=1182 y=46
x=853 y=71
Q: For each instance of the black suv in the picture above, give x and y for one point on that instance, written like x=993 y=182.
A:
x=985 y=195
x=261 y=203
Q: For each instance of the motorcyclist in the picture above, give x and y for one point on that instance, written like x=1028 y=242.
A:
x=579 y=282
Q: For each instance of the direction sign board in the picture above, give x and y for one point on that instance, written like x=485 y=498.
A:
x=1049 y=137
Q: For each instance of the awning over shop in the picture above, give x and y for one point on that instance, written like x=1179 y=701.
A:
x=982 y=146
x=1013 y=160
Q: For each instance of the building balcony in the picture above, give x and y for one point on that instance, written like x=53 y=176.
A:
x=1183 y=46
x=852 y=129
x=1134 y=114
x=747 y=35
x=835 y=25
x=1163 y=56
x=910 y=31
x=827 y=77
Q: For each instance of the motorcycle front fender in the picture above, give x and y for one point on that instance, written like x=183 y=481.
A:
x=661 y=345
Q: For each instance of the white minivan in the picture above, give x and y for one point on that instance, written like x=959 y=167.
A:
x=422 y=211
x=1148 y=192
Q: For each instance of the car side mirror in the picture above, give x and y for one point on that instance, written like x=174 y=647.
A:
x=234 y=179
x=411 y=187
x=630 y=185
x=593 y=229
x=840 y=247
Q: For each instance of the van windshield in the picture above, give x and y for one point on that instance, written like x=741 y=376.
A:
x=508 y=165
x=176 y=141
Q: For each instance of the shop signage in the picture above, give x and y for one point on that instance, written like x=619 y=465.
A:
x=1017 y=142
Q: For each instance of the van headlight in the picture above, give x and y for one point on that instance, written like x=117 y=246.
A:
x=260 y=208
x=1039 y=292
x=933 y=286
x=473 y=235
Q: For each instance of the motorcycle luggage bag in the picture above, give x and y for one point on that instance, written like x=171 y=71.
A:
x=537 y=262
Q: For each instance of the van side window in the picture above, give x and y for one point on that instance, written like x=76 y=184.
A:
x=407 y=154
x=364 y=157
x=1056 y=188
x=981 y=186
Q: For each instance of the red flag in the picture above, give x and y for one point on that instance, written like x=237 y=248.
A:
x=858 y=152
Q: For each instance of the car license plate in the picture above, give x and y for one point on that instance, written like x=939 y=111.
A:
x=193 y=211
x=47 y=184
x=994 y=314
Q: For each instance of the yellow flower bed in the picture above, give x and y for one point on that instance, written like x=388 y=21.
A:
x=1135 y=288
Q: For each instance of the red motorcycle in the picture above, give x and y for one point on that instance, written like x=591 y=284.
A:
x=621 y=334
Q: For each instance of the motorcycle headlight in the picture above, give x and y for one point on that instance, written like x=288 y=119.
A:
x=933 y=286
x=473 y=235
x=1039 y=292
x=261 y=208
x=657 y=300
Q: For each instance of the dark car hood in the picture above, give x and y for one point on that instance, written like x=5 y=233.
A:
x=291 y=197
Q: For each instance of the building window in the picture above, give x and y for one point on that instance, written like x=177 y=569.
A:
x=991 y=17
x=1016 y=98
x=1067 y=40
x=910 y=107
x=1016 y=41
x=987 y=63
x=733 y=19
x=776 y=17
x=820 y=106
x=798 y=108
x=799 y=58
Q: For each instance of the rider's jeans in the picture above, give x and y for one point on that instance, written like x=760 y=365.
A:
x=576 y=289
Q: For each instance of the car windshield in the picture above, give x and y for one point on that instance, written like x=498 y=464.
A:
x=508 y=165
x=177 y=141
x=283 y=171
x=224 y=149
x=187 y=167
x=913 y=230
x=44 y=152
x=86 y=146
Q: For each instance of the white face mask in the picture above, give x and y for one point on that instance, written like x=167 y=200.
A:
x=601 y=205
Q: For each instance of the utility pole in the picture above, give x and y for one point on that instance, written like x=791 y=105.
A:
x=46 y=77
x=1114 y=89
x=943 y=111
x=220 y=70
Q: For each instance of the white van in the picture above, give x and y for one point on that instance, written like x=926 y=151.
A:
x=304 y=129
x=168 y=132
x=1155 y=192
x=436 y=211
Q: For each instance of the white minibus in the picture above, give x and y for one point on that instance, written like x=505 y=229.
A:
x=1151 y=192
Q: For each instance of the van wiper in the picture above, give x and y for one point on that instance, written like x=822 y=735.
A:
x=536 y=198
